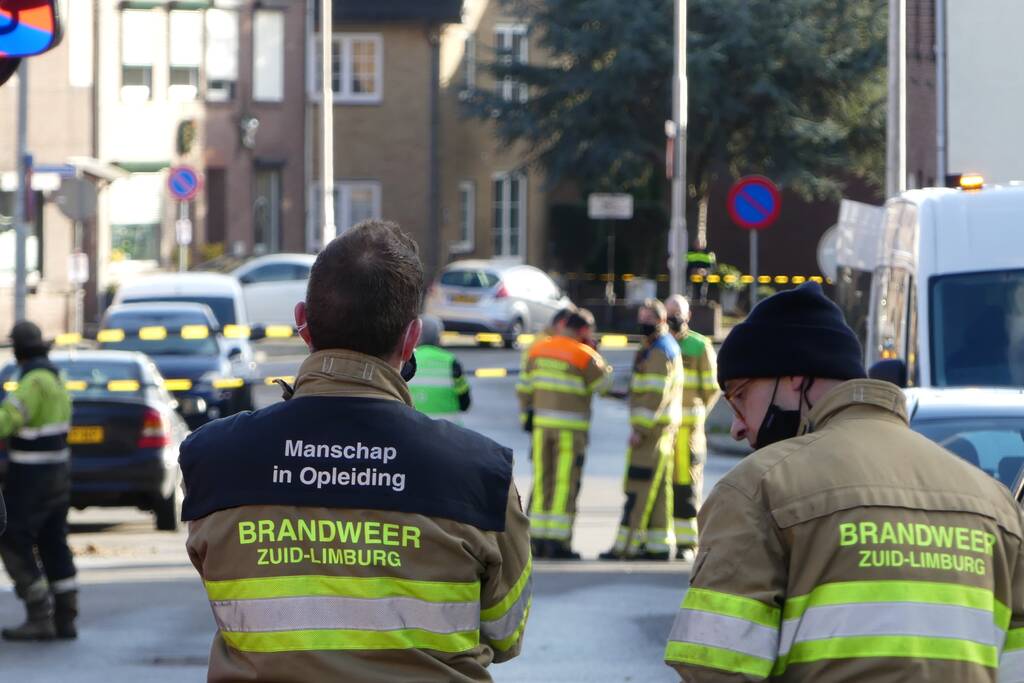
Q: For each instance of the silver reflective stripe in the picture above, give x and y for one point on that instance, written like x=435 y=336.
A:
x=19 y=406
x=559 y=381
x=40 y=457
x=312 y=613
x=1011 y=667
x=727 y=633
x=647 y=414
x=64 y=585
x=32 y=433
x=560 y=415
x=431 y=382
x=505 y=626
x=658 y=384
x=891 y=619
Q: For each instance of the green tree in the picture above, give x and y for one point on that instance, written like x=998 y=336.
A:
x=794 y=89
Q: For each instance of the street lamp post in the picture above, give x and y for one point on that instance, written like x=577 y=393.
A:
x=678 y=241
x=327 y=122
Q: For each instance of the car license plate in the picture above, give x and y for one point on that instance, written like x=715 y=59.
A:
x=464 y=299
x=79 y=436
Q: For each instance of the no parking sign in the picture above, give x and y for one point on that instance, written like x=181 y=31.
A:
x=754 y=203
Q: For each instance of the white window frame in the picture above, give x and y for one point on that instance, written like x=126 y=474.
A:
x=343 y=200
x=506 y=214
x=134 y=94
x=221 y=77
x=469 y=64
x=276 y=95
x=507 y=87
x=343 y=53
x=178 y=20
x=467 y=218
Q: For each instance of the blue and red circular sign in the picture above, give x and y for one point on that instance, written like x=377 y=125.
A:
x=754 y=202
x=184 y=183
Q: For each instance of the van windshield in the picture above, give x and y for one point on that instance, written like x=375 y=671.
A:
x=223 y=307
x=977 y=333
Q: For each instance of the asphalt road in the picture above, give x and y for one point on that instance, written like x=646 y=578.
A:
x=145 y=616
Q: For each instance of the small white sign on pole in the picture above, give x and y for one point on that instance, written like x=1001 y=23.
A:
x=183 y=231
x=78 y=268
x=603 y=206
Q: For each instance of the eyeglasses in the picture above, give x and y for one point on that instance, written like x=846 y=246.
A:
x=730 y=396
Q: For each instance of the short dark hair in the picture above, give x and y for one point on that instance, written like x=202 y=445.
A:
x=580 y=319
x=364 y=289
x=562 y=315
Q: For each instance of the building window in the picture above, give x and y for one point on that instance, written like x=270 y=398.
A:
x=267 y=211
x=137 y=46
x=512 y=45
x=469 y=64
x=357 y=68
x=467 y=218
x=186 y=51
x=136 y=210
x=509 y=214
x=356 y=201
x=8 y=237
x=221 y=55
x=268 y=56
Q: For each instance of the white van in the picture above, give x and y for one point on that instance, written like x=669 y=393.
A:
x=938 y=284
x=222 y=293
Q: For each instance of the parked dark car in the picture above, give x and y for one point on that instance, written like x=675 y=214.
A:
x=207 y=375
x=984 y=426
x=124 y=436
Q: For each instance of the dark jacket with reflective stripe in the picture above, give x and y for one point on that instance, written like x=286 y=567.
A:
x=35 y=417
x=342 y=535
x=859 y=551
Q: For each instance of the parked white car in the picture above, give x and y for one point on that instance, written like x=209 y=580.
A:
x=273 y=284
x=494 y=297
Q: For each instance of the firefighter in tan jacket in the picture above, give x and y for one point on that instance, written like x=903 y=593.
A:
x=562 y=374
x=848 y=547
x=655 y=413
x=342 y=535
x=700 y=392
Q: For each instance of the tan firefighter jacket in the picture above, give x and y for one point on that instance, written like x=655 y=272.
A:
x=859 y=551
x=656 y=387
x=700 y=378
x=341 y=535
x=559 y=379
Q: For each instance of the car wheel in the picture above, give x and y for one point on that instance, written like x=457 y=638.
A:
x=512 y=338
x=168 y=511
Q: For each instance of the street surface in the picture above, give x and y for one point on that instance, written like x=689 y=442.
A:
x=145 y=615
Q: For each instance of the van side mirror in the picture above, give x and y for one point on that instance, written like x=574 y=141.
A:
x=28 y=27
x=893 y=370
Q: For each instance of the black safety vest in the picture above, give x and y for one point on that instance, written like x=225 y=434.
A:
x=344 y=452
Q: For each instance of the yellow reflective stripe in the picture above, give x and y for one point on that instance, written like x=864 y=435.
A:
x=1014 y=639
x=718 y=658
x=506 y=643
x=500 y=609
x=565 y=458
x=929 y=592
x=558 y=374
x=729 y=605
x=343 y=586
x=916 y=647
x=560 y=388
x=538 y=470
x=557 y=423
x=351 y=639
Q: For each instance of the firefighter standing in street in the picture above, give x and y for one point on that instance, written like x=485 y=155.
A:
x=655 y=412
x=341 y=534
x=36 y=417
x=848 y=547
x=439 y=387
x=562 y=373
x=700 y=391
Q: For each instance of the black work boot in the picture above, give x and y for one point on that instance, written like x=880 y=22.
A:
x=64 y=613
x=38 y=624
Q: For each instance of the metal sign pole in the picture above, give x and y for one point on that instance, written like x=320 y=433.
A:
x=678 y=240
x=609 y=287
x=20 y=214
x=182 y=247
x=753 y=268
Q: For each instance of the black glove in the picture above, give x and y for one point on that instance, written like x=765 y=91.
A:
x=528 y=422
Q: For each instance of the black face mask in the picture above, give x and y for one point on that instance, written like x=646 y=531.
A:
x=779 y=424
x=647 y=329
x=675 y=324
x=409 y=368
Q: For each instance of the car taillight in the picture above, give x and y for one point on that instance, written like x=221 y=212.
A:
x=502 y=291
x=155 y=431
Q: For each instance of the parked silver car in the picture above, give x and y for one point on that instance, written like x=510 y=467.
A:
x=494 y=297
x=984 y=426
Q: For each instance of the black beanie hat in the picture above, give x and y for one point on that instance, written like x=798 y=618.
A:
x=799 y=332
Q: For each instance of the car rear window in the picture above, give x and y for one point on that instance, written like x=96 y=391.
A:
x=90 y=379
x=469 y=278
x=223 y=307
x=996 y=445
